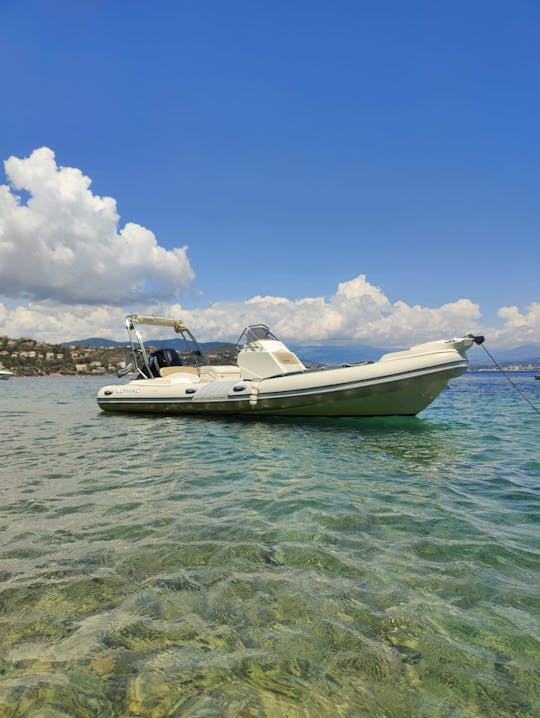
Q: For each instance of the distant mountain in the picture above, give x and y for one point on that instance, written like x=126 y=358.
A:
x=343 y=354
x=332 y=354
x=94 y=342
x=320 y=354
x=360 y=352
x=523 y=356
x=177 y=344
x=520 y=353
x=180 y=344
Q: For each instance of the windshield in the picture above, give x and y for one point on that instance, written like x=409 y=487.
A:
x=254 y=333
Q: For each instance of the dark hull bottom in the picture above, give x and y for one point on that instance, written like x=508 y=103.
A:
x=400 y=397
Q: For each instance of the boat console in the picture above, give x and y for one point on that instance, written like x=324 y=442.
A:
x=263 y=355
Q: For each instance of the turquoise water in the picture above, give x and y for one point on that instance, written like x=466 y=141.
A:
x=280 y=568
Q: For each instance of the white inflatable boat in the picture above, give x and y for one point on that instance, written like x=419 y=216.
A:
x=270 y=380
x=5 y=373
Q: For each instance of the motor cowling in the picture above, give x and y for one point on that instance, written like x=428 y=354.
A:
x=163 y=358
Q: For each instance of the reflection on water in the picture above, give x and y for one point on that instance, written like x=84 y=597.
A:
x=157 y=566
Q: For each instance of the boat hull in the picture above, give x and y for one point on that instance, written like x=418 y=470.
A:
x=402 y=394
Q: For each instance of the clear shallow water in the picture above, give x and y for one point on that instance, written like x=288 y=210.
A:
x=280 y=568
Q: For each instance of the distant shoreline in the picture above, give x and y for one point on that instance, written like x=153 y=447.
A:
x=88 y=375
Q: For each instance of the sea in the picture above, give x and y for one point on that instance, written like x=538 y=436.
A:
x=160 y=566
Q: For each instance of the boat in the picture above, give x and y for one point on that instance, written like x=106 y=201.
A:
x=270 y=380
x=5 y=373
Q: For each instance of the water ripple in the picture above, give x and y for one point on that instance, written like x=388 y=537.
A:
x=158 y=566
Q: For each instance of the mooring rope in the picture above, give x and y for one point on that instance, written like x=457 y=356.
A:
x=510 y=380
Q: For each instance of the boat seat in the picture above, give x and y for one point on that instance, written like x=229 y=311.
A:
x=166 y=370
x=219 y=372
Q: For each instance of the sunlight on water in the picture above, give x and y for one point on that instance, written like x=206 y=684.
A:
x=155 y=566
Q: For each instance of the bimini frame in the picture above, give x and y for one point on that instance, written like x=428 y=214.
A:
x=141 y=359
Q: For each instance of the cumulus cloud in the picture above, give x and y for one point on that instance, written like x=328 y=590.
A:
x=64 y=243
x=69 y=271
x=53 y=322
x=521 y=326
x=358 y=312
x=347 y=316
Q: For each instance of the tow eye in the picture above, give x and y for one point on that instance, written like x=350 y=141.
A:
x=478 y=339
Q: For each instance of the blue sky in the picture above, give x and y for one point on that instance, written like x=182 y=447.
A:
x=391 y=148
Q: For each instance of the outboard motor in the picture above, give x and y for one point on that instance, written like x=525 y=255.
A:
x=162 y=358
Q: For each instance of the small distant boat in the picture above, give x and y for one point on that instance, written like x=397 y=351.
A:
x=537 y=376
x=270 y=380
x=5 y=373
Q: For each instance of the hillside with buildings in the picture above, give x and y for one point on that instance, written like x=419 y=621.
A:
x=30 y=357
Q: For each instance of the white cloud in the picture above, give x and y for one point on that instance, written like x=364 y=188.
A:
x=340 y=318
x=347 y=316
x=74 y=273
x=519 y=328
x=50 y=321
x=64 y=243
x=357 y=313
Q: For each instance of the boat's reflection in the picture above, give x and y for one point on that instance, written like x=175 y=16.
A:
x=416 y=440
